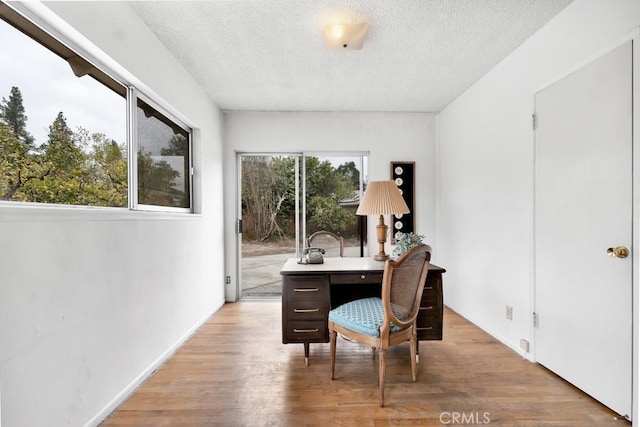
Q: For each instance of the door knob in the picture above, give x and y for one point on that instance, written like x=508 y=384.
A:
x=618 y=252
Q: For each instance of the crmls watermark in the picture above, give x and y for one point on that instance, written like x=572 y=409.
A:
x=465 y=418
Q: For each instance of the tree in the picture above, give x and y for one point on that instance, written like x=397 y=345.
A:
x=155 y=181
x=64 y=173
x=326 y=214
x=17 y=163
x=13 y=115
x=268 y=195
x=69 y=168
x=178 y=147
x=17 y=166
x=265 y=194
x=107 y=172
x=350 y=175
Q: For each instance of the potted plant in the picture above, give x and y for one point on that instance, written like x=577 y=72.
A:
x=406 y=241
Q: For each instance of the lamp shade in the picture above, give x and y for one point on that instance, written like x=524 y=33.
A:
x=382 y=198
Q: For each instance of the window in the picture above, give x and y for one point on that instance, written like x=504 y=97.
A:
x=63 y=130
x=163 y=160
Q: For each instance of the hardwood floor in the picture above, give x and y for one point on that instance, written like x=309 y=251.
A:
x=235 y=371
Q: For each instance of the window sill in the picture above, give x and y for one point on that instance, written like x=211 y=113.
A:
x=27 y=212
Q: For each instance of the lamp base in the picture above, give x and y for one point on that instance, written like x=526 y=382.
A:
x=381 y=234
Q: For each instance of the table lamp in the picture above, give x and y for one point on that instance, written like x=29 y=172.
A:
x=382 y=198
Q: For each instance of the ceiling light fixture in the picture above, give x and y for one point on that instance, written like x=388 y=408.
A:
x=345 y=36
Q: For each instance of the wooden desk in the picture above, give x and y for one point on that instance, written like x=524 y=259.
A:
x=310 y=291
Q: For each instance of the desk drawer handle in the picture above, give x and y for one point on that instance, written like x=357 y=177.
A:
x=306 y=290
x=306 y=310
x=306 y=331
x=429 y=288
x=362 y=276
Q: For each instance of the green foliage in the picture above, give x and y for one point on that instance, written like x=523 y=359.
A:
x=324 y=180
x=12 y=114
x=155 y=181
x=350 y=175
x=17 y=165
x=268 y=195
x=406 y=241
x=326 y=214
x=69 y=168
x=107 y=170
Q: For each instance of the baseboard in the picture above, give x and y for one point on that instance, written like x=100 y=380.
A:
x=133 y=386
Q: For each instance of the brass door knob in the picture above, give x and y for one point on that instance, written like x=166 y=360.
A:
x=618 y=252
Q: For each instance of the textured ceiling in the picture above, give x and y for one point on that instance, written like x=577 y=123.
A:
x=269 y=55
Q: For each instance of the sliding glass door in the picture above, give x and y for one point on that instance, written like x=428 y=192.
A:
x=282 y=199
x=269 y=223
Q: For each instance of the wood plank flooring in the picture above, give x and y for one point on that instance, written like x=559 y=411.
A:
x=235 y=371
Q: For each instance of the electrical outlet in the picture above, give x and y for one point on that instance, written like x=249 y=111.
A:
x=227 y=280
x=524 y=344
x=509 y=312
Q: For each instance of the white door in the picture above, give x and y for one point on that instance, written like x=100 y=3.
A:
x=583 y=206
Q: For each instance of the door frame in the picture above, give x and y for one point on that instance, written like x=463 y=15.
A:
x=634 y=37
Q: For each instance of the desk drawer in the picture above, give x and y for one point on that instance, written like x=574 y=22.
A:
x=429 y=323
x=353 y=278
x=311 y=331
x=431 y=311
x=430 y=295
x=432 y=333
x=307 y=310
x=306 y=288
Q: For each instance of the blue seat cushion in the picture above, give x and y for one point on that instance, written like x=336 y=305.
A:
x=365 y=316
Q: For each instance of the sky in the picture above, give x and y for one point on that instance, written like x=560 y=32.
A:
x=48 y=86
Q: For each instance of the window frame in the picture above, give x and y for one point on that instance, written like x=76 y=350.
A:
x=36 y=22
x=132 y=105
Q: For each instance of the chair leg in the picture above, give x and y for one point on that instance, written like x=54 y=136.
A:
x=381 y=373
x=332 y=351
x=413 y=346
x=373 y=352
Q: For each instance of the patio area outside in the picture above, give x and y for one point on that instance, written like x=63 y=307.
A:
x=261 y=264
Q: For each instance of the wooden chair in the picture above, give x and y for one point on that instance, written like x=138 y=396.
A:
x=331 y=243
x=387 y=321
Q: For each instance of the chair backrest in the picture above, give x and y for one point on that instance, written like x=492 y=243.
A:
x=331 y=243
x=402 y=285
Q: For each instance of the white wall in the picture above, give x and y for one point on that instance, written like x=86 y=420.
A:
x=92 y=300
x=485 y=180
x=386 y=136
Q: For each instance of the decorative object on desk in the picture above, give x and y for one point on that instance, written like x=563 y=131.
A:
x=403 y=174
x=313 y=256
x=382 y=198
x=406 y=241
